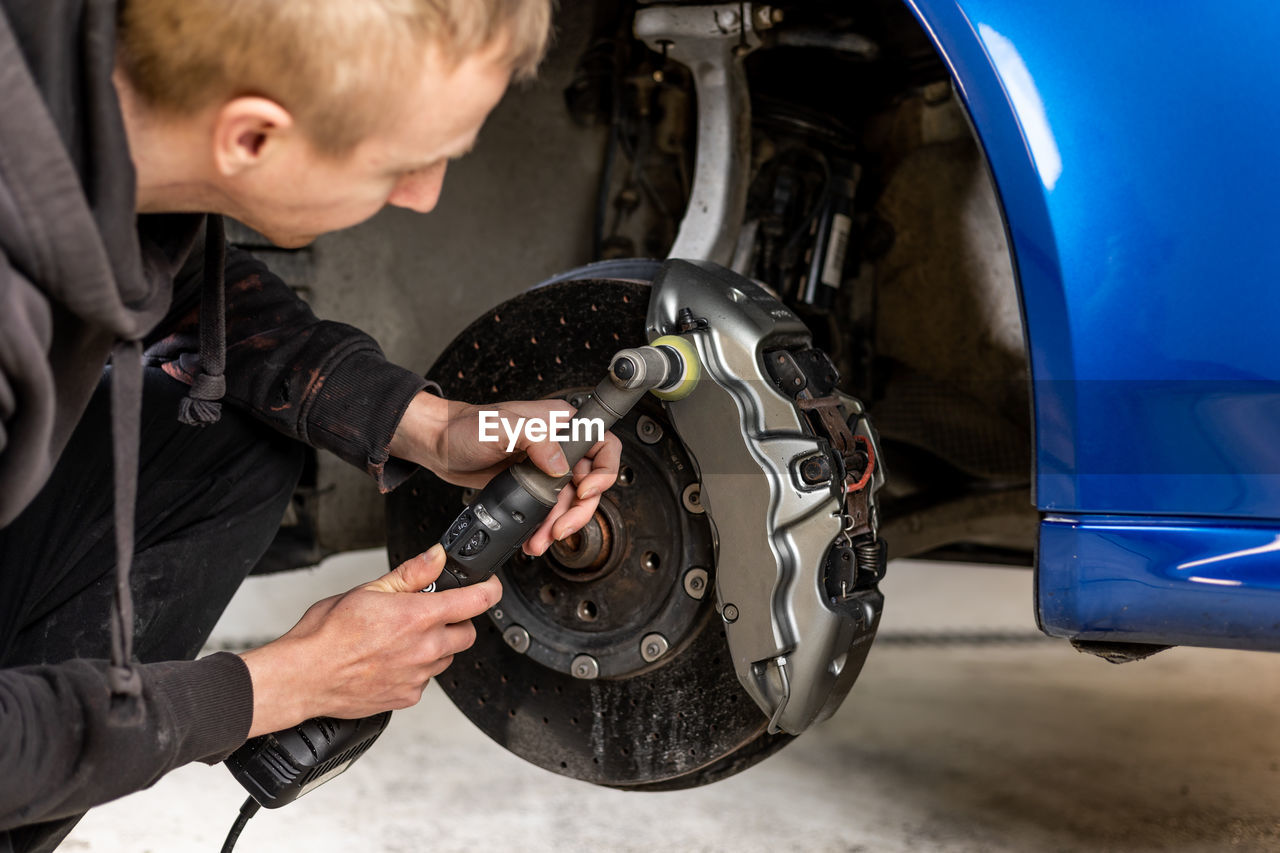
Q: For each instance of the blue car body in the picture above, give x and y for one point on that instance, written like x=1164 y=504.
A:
x=1133 y=148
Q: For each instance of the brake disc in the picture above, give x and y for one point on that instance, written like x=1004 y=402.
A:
x=605 y=661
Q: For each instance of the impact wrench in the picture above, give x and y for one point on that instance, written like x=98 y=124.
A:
x=278 y=768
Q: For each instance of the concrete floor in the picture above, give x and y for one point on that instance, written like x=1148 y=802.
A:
x=957 y=747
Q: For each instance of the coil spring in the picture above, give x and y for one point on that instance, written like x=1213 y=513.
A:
x=869 y=557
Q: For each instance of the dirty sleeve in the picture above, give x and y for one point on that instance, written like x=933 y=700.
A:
x=61 y=751
x=322 y=382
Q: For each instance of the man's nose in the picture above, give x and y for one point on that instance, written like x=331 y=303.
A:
x=419 y=191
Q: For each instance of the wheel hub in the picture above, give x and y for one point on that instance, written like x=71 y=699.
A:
x=600 y=593
x=582 y=556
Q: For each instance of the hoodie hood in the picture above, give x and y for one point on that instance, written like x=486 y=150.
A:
x=69 y=223
x=79 y=270
x=80 y=280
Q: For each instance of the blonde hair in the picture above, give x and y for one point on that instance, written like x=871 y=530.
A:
x=328 y=62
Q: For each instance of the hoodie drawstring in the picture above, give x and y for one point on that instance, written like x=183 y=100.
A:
x=126 y=428
x=202 y=405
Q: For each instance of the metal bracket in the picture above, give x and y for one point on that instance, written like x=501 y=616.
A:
x=712 y=40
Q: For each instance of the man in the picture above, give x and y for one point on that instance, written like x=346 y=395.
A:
x=124 y=121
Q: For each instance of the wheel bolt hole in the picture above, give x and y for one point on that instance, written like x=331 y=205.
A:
x=548 y=594
x=651 y=562
x=587 y=611
x=626 y=476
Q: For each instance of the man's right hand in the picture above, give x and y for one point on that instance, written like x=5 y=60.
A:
x=368 y=650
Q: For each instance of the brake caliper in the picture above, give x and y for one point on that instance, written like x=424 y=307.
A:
x=789 y=467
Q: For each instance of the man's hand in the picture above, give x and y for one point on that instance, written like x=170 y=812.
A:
x=444 y=436
x=368 y=650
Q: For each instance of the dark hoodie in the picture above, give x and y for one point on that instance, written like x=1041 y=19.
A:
x=80 y=272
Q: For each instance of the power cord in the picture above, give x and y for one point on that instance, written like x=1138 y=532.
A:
x=248 y=810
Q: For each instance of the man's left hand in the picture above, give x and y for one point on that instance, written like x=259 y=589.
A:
x=444 y=437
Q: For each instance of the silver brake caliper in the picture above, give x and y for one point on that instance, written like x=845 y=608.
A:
x=789 y=468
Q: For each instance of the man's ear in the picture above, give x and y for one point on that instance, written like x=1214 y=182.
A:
x=246 y=131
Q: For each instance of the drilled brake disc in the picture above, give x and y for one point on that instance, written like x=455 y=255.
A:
x=605 y=660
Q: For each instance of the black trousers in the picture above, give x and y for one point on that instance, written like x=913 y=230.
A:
x=209 y=502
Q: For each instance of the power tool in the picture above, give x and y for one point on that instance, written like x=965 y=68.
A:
x=278 y=768
x=516 y=501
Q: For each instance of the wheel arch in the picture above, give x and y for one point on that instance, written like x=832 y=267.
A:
x=1009 y=124
x=1133 y=169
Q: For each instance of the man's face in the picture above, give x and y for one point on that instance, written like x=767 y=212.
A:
x=300 y=194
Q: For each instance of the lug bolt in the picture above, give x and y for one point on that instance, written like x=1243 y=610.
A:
x=695 y=583
x=584 y=667
x=653 y=647
x=648 y=430
x=691 y=497
x=517 y=638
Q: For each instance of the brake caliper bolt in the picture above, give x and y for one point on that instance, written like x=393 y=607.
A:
x=766 y=16
x=815 y=469
x=730 y=613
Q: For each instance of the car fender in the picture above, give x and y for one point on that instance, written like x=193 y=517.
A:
x=1133 y=154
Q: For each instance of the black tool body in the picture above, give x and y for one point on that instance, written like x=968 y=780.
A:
x=278 y=768
x=514 y=503
x=489 y=531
